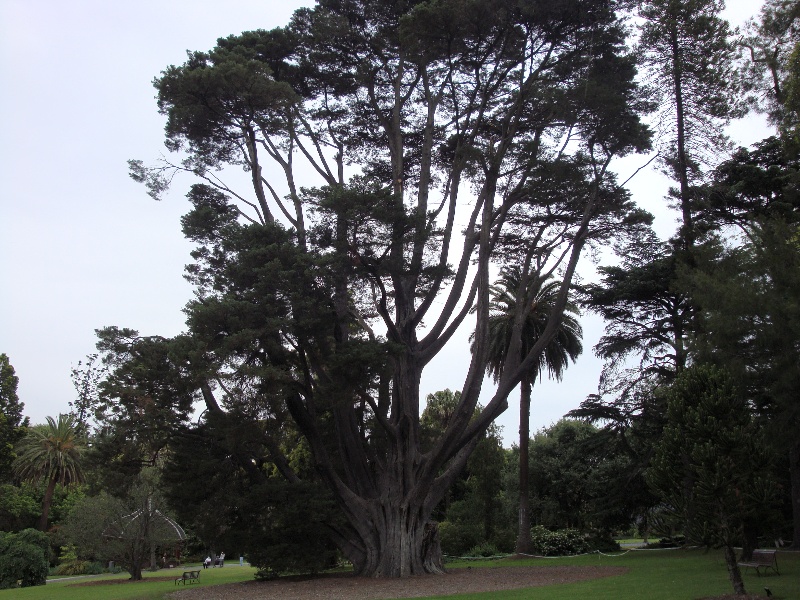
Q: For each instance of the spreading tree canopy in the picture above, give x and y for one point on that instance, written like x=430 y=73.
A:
x=444 y=138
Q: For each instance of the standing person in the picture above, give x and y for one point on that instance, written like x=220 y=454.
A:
x=207 y=562
x=221 y=559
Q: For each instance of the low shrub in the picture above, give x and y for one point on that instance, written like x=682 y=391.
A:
x=458 y=538
x=483 y=549
x=558 y=543
x=671 y=542
x=72 y=567
x=23 y=559
x=602 y=542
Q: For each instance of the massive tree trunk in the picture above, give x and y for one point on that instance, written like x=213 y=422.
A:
x=404 y=542
x=392 y=535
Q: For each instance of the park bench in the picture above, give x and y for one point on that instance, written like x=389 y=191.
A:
x=762 y=559
x=188 y=576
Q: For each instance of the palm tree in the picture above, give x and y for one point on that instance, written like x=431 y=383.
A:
x=565 y=346
x=51 y=453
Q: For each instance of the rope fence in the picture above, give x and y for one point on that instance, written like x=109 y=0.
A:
x=598 y=552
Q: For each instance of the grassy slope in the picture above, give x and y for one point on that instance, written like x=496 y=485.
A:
x=655 y=575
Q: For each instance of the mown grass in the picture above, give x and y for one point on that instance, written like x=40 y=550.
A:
x=653 y=574
x=144 y=590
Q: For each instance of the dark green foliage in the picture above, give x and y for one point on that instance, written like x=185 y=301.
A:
x=712 y=467
x=23 y=558
x=575 y=475
x=284 y=528
x=221 y=482
x=749 y=291
x=484 y=549
x=12 y=425
x=471 y=512
x=755 y=184
x=562 y=542
x=689 y=57
x=20 y=506
x=460 y=535
x=649 y=321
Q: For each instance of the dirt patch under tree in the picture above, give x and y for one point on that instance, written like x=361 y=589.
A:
x=346 y=587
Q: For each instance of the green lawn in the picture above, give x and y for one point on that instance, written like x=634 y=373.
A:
x=654 y=574
x=145 y=590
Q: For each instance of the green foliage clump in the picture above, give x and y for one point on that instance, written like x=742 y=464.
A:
x=70 y=564
x=23 y=559
x=484 y=549
x=558 y=543
x=287 y=530
x=72 y=567
x=458 y=536
x=20 y=506
x=602 y=541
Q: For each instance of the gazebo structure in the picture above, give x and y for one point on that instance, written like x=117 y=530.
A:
x=140 y=533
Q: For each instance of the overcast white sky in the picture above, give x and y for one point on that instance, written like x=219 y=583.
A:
x=82 y=246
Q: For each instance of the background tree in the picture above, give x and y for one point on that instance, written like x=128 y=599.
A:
x=711 y=466
x=125 y=530
x=321 y=319
x=471 y=517
x=50 y=453
x=747 y=284
x=574 y=475
x=769 y=42
x=649 y=324
x=690 y=63
x=86 y=378
x=539 y=297
x=12 y=424
x=19 y=507
x=23 y=559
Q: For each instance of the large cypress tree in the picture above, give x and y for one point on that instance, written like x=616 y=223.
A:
x=311 y=302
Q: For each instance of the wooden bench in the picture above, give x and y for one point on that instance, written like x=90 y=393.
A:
x=762 y=559
x=188 y=576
